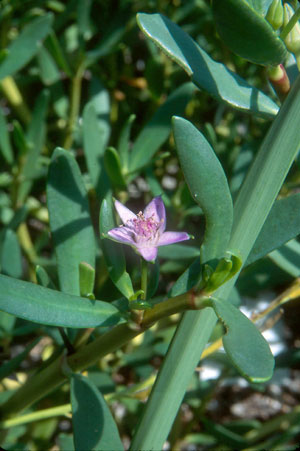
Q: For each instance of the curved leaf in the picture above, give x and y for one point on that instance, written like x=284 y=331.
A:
x=26 y=45
x=247 y=33
x=245 y=346
x=206 y=73
x=42 y=305
x=207 y=182
x=93 y=424
x=70 y=221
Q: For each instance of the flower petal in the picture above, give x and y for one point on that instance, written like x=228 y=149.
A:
x=122 y=235
x=124 y=212
x=156 y=209
x=172 y=237
x=148 y=253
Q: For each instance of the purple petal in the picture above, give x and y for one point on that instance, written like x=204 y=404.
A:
x=156 y=209
x=122 y=235
x=172 y=237
x=124 y=212
x=148 y=253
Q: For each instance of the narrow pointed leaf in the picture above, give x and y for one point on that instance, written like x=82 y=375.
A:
x=113 y=252
x=158 y=128
x=206 y=73
x=26 y=45
x=207 y=182
x=282 y=224
x=245 y=346
x=43 y=278
x=240 y=27
x=42 y=305
x=70 y=222
x=93 y=425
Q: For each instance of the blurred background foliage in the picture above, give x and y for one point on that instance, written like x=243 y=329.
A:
x=81 y=69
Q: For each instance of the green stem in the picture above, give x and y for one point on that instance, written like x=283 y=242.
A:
x=36 y=416
x=75 y=106
x=14 y=96
x=290 y=25
x=53 y=376
x=144 y=278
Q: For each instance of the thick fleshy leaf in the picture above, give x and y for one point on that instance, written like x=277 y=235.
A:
x=70 y=222
x=158 y=128
x=96 y=131
x=93 y=425
x=26 y=45
x=11 y=257
x=42 y=305
x=247 y=33
x=113 y=252
x=207 y=182
x=178 y=252
x=206 y=73
x=245 y=346
x=282 y=224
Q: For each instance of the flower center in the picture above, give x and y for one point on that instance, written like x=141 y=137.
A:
x=145 y=228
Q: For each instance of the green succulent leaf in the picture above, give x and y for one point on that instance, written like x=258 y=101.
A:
x=206 y=73
x=247 y=33
x=245 y=346
x=207 y=182
x=93 y=424
x=45 y=306
x=70 y=222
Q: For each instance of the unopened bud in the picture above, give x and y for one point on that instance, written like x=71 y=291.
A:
x=280 y=80
x=292 y=40
x=275 y=14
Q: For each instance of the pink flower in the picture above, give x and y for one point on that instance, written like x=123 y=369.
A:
x=145 y=231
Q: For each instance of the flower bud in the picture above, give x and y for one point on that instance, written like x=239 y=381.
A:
x=292 y=40
x=275 y=14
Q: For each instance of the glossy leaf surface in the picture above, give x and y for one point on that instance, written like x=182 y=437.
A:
x=70 y=221
x=206 y=73
x=247 y=33
x=207 y=182
x=245 y=346
x=42 y=305
x=93 y=425
x=26 y=45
